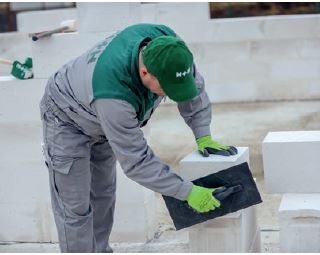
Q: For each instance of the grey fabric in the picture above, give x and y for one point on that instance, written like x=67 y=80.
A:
x=197 y=112
x=82 y=177
x=74 y=79
x=116 y=119
x=131 y=149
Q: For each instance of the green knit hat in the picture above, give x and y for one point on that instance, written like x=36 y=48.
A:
x=171 y=62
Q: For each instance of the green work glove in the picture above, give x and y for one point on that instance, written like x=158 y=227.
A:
x=208 y=146
x=202 y=200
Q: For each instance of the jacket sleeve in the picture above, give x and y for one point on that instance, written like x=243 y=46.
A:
x=121 y=127
x=197 y=112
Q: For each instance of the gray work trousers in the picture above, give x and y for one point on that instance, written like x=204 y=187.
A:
x=82 y=175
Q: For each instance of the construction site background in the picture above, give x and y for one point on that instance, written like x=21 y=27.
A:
x=9 y=10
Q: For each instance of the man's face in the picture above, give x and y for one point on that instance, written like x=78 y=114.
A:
x=151 y=82
x=154 y=86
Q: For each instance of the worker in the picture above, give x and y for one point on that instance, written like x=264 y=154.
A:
x=92 y=111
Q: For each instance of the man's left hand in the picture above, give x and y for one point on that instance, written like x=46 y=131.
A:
x=207 y=146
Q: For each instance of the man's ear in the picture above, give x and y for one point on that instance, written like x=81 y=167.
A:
x=143 y=71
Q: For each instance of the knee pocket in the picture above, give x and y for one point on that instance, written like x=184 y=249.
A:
x=79 y=212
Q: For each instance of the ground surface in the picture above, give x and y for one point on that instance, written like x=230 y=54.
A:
x=238 y=124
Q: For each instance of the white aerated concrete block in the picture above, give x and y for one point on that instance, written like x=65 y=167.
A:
x=292 y=77
x=25 y=207
x=264 y=66
x=97 y=17
x=255 y=28
x=291 y=162
x=37 y=21
x=27 y=222
x=310 y=49
x=13 y=46
x=299 y=218
x=195 y=166
x=235 y=232
x=297 y=69
x=51 y=53
x=167 y=13
x=292 y=26
x=256 y=242
x=19 y=100
x=135 y=213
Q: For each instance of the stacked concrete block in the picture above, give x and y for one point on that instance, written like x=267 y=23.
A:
x=291 y=167
x=19 y=100
x=167 y=13
x=20 y=51
x=25 y=208
x=106 y=17
x=289 y=156
x=266 y=63
x=293 y=26
x=91 y=16
x=291 y=78
x=194 y=166
x=253 y=29
x=299 y=216
x=249 y=48
x=37 y=21
x=236 y=232
x=51 y=53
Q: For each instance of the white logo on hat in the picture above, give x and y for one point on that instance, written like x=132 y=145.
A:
x=184 y=73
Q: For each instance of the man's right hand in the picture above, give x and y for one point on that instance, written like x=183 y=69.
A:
x=202 y=200
x=207 y=146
